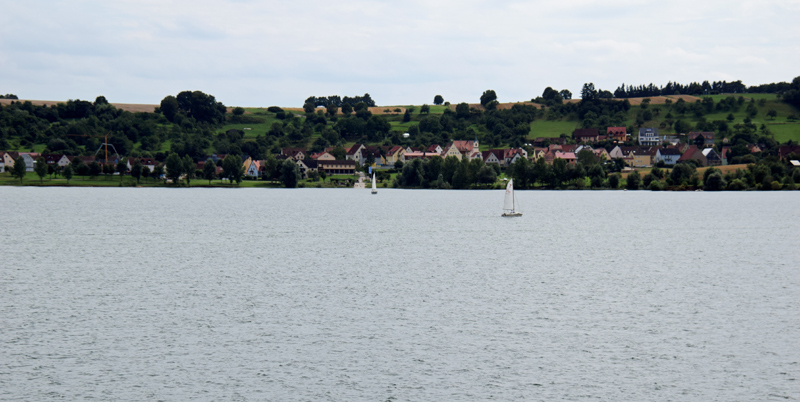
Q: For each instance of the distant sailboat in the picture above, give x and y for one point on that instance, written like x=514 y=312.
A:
x=510 y=201
x=374 y=186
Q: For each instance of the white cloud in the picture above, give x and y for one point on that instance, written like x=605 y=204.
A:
x=262 y=53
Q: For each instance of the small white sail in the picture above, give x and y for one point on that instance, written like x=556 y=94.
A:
x=509 y=202
x=374 y=185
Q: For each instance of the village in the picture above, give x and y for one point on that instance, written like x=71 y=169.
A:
x=652 y=149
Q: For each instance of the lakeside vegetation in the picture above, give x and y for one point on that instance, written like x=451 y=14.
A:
x=195 y=125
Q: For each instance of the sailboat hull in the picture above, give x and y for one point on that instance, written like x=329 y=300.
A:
x=511 y=214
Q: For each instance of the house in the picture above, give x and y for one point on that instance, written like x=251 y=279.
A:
x=354 y=153
x=786 y=150
x=567 y=156
x=705 y=138
x=616 y=153
x=375 y=152
x=668 y=155
x=149 y=163
x=466 y=148
x=693 y=153
x=713 y=158
x=294 y=153
x=619 y=134
x=325 y=156
x=511 y=155
x=601 y=154
x=672 y=139
x=648 y=137
x=569 y=148
x=495 y=156
x=435 y=148
x=307 y=166
x=642 y=157
x=56 y=159
x=30 y=160
x=408 y=156
x=538 y=153
x=9 y=158
x=394 y=154
x=253 y=169
x=346 y=167
x=586 y=134
x=451 y=150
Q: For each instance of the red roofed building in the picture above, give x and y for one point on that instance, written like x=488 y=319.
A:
x=617 y=133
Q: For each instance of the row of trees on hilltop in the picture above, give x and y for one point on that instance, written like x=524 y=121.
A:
x=338 y=101
x=675 y=88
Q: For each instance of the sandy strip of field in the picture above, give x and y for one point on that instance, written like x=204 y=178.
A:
x=654 y=100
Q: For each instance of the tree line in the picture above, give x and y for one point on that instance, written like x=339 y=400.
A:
x=338 y=101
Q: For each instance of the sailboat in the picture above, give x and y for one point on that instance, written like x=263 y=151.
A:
x=374 y=186
x=510 y=201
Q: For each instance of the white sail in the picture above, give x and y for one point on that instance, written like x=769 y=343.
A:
x=374 y=185
x=508 y=203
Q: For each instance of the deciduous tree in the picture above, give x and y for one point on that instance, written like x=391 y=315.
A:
x=210 y=170
x=188 y=168
x=40 y=168
x=438 y=100
x=136 y=170
x=488 y=96
x=67 y=173
x=19 y=169
x=174 y=167
x=290 y=173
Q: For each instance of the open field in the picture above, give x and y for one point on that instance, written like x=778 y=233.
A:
x=654 y=100
x=723 y=169
x=552 y=128
x=500 y=106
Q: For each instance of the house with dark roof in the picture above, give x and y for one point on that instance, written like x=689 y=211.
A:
x=586 y=134
x=786 y=150
x=667 y=155
x=495 y=156
x=56 y=159
x=294 y=153
x=307 y=166
x=354 y=153
x=346 y=167
x=707 y=138
x=713 y=158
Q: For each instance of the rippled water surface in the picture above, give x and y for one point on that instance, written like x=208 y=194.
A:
x=339 y=295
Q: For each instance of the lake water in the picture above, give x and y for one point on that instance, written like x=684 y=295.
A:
x=339 y=295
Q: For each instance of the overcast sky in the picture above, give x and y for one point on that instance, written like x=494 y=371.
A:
x=263 y=53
